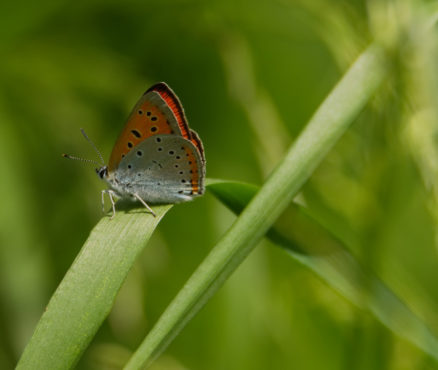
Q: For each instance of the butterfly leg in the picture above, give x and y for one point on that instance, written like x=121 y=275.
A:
x=145 y=204
x=111 y=194
x=103 y=200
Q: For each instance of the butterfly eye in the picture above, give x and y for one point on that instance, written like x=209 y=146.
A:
x=102 y=172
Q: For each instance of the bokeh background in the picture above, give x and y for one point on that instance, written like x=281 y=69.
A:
x=250 y=73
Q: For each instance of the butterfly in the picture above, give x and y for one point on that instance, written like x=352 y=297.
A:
x=157 y=158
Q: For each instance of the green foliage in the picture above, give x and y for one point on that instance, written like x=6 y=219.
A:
x=250 y=75
x=311 y=244
x=86 y=294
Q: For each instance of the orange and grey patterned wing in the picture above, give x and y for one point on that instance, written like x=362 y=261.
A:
x=158 y=112
x=163 y=169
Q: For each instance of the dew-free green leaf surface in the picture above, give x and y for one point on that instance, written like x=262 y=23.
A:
x=314 y=246
x=86 y=294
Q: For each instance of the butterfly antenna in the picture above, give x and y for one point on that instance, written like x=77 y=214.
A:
x=94 y=146
x=68 y=156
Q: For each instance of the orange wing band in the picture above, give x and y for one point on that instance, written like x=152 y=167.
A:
x=197 y=176
x=174 y=104
x=196 y=141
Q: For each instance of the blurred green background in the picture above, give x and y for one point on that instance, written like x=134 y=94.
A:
x=249 y=74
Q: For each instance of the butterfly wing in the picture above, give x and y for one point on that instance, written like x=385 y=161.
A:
x=196 y=141
x=163 y=169
x=158 y=112
x=172 y=102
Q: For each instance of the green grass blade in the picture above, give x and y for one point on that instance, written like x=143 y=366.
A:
x=329 y=122
x=307 y=241
x=86 y=294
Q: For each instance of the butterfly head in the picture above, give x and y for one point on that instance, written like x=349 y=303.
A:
x=102 y=172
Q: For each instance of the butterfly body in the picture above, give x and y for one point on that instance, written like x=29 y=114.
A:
x=157 y=158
